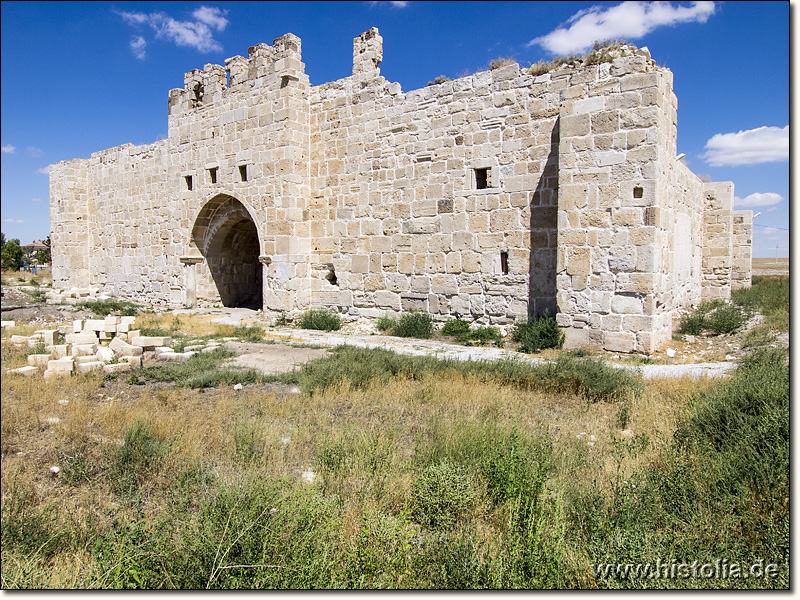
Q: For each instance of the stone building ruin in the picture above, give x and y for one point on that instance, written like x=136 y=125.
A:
x=494 y=196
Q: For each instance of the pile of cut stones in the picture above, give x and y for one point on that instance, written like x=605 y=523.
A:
x=109 y=345
x=75 y=295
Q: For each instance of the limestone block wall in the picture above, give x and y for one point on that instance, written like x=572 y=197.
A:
x=495 y=196
x=69 y=229
x=717 y=264
x=609 y=197
x=398 y=220
x=742 y=269
x=247 y=140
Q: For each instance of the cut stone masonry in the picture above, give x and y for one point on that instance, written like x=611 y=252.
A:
x=495 y=196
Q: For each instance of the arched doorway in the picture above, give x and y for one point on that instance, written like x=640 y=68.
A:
x=226 y=236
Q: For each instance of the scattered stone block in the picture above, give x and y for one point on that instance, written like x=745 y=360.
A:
x=79 y=360
x=124 y=349
x=19 y=339
x=117 y=367
x=127 y=321
x=77 y=326
x=62 y=365
x=6 y=324
x=88 y=367
x=134 y=361
x=38 y=360
x=123 y=328
x=133 y=333
x=59 y=350
x=26 y=371
x=50 y=337
x=110 y=324
x=83 y=349
x=163 y=350
x=94 y=325
x=105 y=354
x=150 y=342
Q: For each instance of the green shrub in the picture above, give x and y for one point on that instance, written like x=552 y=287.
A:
x=455 y=327
x=725 y=319
x=322 y=319
x=715 y=316
x=486 y=334
x=416 y=324
x=760 y=335
x=247 y=333
x=385 y=324
x=539 y=334
x=440 y=494
x=768 y=295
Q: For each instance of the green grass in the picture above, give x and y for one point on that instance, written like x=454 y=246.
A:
x=720 y=489
x=583 y=376
x=322 y=319
x=203 y=370
x=415 y=324
x=106 y=307
x=464 y=334
x=770 y=297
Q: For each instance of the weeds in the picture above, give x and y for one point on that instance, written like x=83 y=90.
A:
x=322 y=319
x=203 y=370
x=715 y=316
x=415 y=324
x=104 y=308
x=539 y=334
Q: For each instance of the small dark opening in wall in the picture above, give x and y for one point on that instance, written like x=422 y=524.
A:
x=331 y=277
x=504 y=262
x=188 y=179
x=638 y=192
x=243 y=172
x=213 y=174
x=482 y=178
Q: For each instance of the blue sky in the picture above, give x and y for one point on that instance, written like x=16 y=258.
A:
x=78 y=77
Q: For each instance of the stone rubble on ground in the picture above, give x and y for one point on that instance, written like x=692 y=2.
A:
x=109 y=345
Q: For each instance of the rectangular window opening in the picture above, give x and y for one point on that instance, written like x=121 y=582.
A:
x=188 y=179
x=482 y=178
x=243 y=172
x=638 y=192
x=213 y=174
x=504 y=262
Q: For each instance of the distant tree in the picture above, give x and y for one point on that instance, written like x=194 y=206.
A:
x=11 y=254
x=43 y=256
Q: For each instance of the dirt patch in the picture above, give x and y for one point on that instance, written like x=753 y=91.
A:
x=272 y=358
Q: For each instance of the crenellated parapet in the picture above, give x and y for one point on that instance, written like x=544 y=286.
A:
x=265 y=66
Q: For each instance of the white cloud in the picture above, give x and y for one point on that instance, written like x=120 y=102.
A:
x=760 y=145
x=138 y=46
x=34 y=152
x=195 y=34
x=13 y=221
x=397 y=3
x=43 y=170
x=8 y=149
x=211 y=16
x=36 y=199
x=629 y=20
x=757 y=199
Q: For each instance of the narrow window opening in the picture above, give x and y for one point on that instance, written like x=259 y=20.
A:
x=504 y=262
x=198 y=93
x=243 y=172
x=213 y=174
x=482 y=178
x=331 y=276
x=188 y=179
x=638 y=192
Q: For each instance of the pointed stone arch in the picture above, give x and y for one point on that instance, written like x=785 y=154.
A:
x=226 y=238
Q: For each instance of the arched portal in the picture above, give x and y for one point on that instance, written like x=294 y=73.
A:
x=225 y=235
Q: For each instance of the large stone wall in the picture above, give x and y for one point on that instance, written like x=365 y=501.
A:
x=495 y=196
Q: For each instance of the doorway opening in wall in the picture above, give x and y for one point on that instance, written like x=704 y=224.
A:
x=227 y=237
